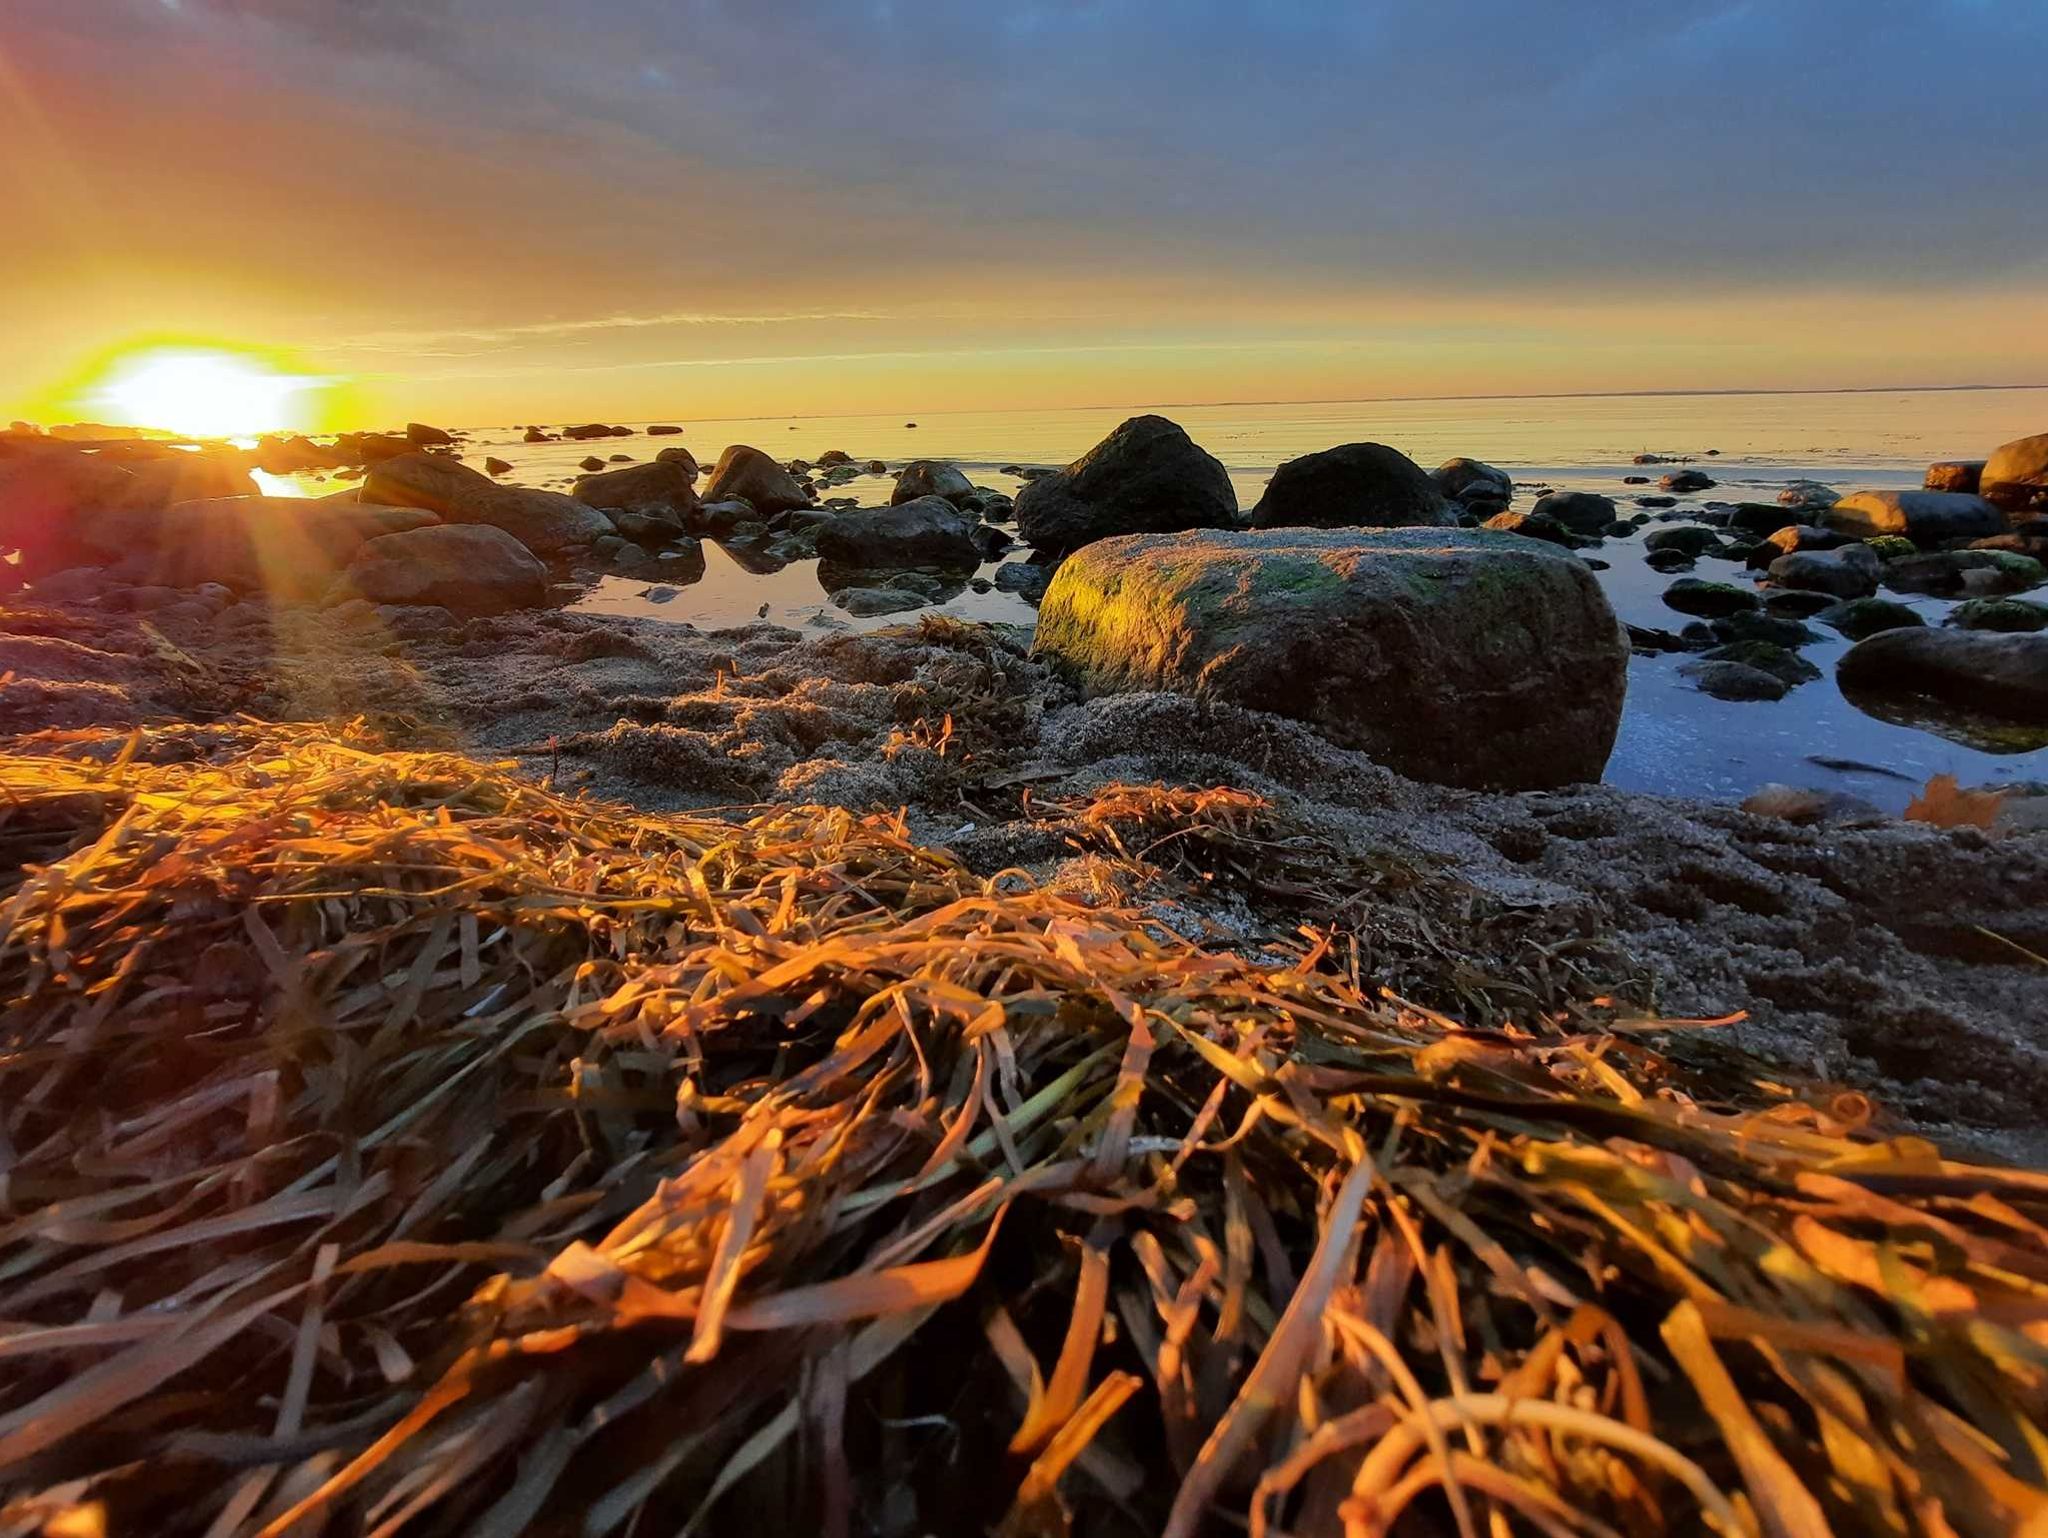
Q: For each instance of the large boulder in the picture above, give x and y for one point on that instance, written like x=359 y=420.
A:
x=746 y=472
x=931 y=478
x=681 y=457
x=2016 y=476
x=927 y=532
x=49 y=500
x=1583 y=512
x=1454 y=655
x=1147 y=477
x=1353 y=486
x=464 y=568
x=286 y=547
x=661 y=487
x=1997 y=674
x=1925 y=517
x=1475 y=485
x=1850 y=572
x=543 y=521
x=428 y=436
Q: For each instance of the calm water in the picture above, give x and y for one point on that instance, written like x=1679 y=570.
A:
x=1673 y=738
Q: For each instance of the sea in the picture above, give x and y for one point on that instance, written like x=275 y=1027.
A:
x=1674 y=740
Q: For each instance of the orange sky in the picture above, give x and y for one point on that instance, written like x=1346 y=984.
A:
x=442 y=241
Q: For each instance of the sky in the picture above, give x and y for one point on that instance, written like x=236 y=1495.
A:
x=488 y=211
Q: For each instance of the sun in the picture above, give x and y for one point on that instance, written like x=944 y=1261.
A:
x=202 y=392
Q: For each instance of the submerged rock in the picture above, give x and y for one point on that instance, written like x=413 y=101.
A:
x=2000 y=675
x=1925 y=517
x=1695 y=595
x=927 y=532
x=1147 y=477
x=1783 y=664
x=544 y=521
x=1460 y=656
x=1861 y=617
x=2012 y=616
x=1734 y=681
x=866 y=602
x=1958 y=573
x=465 y=568
x=1686 y=538
x=1811 y=495
x=1687 y=480
x=1027 y=579
x=2015 y=478
x=744 y=471
x=930 y=478
x=1850 y=572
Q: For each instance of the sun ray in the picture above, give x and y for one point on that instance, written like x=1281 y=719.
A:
x=204 y=392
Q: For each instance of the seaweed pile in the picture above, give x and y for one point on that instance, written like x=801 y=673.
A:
x=389 y=1144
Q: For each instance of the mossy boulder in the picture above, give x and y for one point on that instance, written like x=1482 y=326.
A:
x=1460 y=656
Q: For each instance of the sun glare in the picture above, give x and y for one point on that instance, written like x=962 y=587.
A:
x=203 y=392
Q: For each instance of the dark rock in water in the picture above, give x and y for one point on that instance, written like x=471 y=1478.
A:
x=369 y=448
x=989 y=542
x=1861 y=617
x=866 y=602
x=2010 y=616
x=1793 y=538
x=1455 y=655
x=1651 y=642
x=596 y=430
x=1475 y=484
x=1783 y=664
x=1027 y=579
x=496 y=466
x=1583 y=512
x=535 y=435
x=743 y=471
x=721 y=517
x=1811 y=496
x=680 y=457
x=2033 y=546
x=465 y=568
x=1734 y=681
x=833 y=459
x=1353 y=486
x=422 y=435
x=1765 y=519
x=1535 y=526
x=930 y=478
x=1687 y=480
x=590 y=462
x=543 y=521
x=1655 y=500
x=1925 y=517
x=1964 y=573
x=1147 y=477
x=1687 y=538
x=1798 y=804
x=661 y=487
x=1668 y=561
x=877 y=467
x=646 y=528
x=1620 y=529
x=927 y=532
x=2000 y=675
x=2015 y=478
x=1635 y=480
x=1850 y=572
x=1751 y=626
x=663 y=430
x=1692 y=595
x=619 y=459
x=1964 y=475
x=1795 y=605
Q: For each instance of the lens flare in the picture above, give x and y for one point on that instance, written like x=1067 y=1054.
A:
x=203 y=392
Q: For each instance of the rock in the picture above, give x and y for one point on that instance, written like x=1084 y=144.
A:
x=1752 y=626
x=50 y=501
x=1027 y=579
x=1810 y=495
x=1456 y=655
x=1925 y=517
x=663 y=430
x=2009 y=616
x=1687 y=480
x=743 y=471
x=596 y=430
x=1693 y=595
x=1650 y=642
x=1656 y=501
x=833 y=459
x=988 y=542
x=927 y=532
x=1668 y=561
x=1964 y=475
x=1147 y=477
x=1998 y=675
x=1798 y=804
x=285 y=547
x=1788 y=604
x=590 y=462
x=865 y=602
x=544 y=521
x=1583 y=512
x=465 y=568
x=421 y=435
x=1861 y=617
x=1783 y=664
x=930 y=478
x=1475 y=484
x=496 y=466
x=1533 y=525
x=659 y=487
x=2015 y=478
x=1850 y=572
x=681 y=457
x=370 y=448
x=1734 y=681
x=535 y=435
x=1687 y=538
x=1793 y=538
x=1964 y=573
